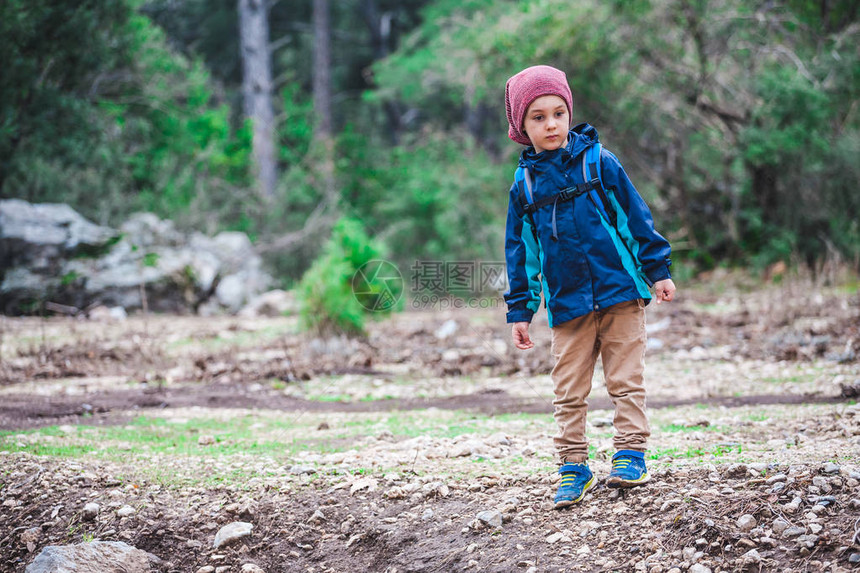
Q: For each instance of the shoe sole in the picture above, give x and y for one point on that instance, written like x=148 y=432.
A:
x=568 y=502
x=617 y=483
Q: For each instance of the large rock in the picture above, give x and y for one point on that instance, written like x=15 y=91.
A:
x=94 y=557
x=149 y=263
x=38 y=236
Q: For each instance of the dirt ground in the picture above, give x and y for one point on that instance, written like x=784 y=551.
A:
x=428 y=446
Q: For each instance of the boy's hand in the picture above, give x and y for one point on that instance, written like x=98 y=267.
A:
x=665 y=290
x=520 y=332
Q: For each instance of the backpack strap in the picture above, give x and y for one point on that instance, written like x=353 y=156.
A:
x=526 y=196
x=524 y=184
x=591 y=174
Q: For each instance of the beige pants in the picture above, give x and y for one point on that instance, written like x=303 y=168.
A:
x=617 y=334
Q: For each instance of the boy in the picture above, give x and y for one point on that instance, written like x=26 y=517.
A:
x=575 y=219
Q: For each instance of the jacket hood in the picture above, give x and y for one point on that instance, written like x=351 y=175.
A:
x=580 y=138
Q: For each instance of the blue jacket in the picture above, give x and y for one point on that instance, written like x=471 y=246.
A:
x=585 y=267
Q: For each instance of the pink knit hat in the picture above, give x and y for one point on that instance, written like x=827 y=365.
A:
x=525 y=87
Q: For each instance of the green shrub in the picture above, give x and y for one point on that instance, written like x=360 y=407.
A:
x=329 y=305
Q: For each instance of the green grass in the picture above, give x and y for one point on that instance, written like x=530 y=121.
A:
x=152 y=441
x=155 y=435
x=678 y=428
x=694 y=452
x=329 y=397
x=249 y=434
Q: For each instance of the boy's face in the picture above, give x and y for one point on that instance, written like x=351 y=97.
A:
x=547 y=122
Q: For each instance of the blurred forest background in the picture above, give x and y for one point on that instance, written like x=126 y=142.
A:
x=738 y=120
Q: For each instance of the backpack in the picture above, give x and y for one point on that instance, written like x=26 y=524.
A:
x=593 y=186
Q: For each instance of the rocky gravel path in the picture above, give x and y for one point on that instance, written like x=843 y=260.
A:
x=220 y=445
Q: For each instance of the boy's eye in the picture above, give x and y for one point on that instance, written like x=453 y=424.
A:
x=538 y=117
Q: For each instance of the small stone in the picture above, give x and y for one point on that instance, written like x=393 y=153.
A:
x=206 y=569
x=793 y=505
x=854 y=558
x=90 y=511
x=395 y=493
x=818 y=509
x=779 y=526
x=746 y=522
x=205 y=440
x=794 y=531
x=815 y=528
x=490 y=517
x=299 y=469
x=776 y=478
x=807 y=541
x=830 y=468
x=318 y=517
x=737 y=470
x=668 y=503
x=251 y=568
x=232 y=532
x=699 y=568
x=30 y=536
x=428 y=514
x=554 y=538
x=125 y=511
x=368 y=484
x=688 y=553
x=584 y=550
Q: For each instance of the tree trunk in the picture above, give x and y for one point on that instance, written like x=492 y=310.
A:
x=383 y=40
x=257 y=90
x=322 y=93
x=322 y=69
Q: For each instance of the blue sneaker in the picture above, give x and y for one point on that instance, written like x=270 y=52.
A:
x=628 y=469
x=576 y=479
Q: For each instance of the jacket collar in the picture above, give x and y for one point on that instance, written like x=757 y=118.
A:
x=580 y=138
